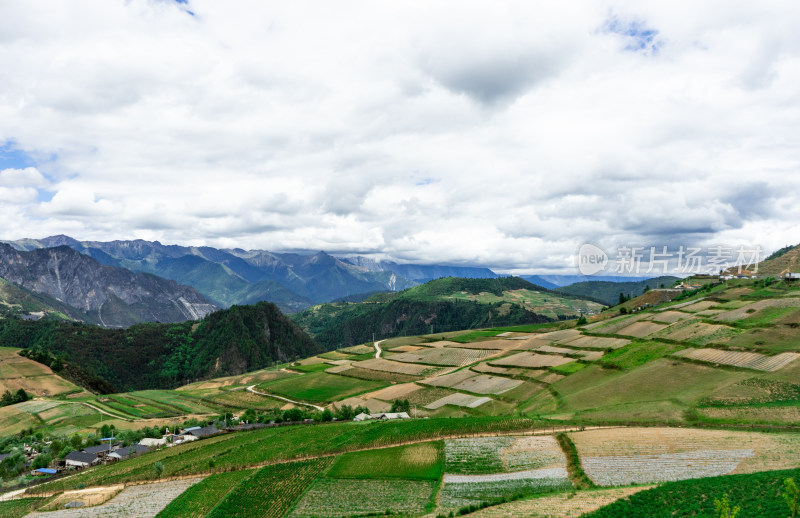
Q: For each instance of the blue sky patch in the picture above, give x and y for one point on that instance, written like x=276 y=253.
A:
x=13 y=158
x=638 y=37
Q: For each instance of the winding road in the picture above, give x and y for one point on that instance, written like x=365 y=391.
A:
x=378 y=349
x=252 y=389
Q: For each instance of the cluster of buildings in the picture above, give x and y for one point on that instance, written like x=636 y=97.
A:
x=111 y=451
x=383 y=415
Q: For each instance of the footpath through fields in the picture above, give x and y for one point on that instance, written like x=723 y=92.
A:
x=252 y=388
x=378 y=349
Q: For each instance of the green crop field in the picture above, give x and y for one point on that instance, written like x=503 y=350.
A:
x=757 y=494
x=568 y=368
x=320 y=387
x=421 y=461
x=312 y=367
x=270 y=492
x=198 y=500
x=21 y=507
x=343 y=498
x=638 y=353
x=458 y=495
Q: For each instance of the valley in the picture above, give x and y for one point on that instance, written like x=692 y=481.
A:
x=562 y=417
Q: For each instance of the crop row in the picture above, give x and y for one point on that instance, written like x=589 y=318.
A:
x=757 y=494
x=270 y=492
x=199 y=499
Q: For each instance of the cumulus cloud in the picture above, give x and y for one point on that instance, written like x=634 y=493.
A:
x=496 y=133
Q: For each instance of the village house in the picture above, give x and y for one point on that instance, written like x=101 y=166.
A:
x=128 y=451
x=80 y=459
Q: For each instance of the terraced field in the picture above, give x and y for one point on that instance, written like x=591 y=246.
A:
x=745 y=360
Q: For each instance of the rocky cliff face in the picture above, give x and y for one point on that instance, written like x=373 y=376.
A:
x=118 y=297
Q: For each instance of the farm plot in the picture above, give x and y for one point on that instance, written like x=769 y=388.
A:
x=449 y=380
x=458 y=399
x=463 y=490
x=373 y=405
x=278 y=486
x=590 y=356
x=244 y=399
x=615 y=324
x=487 y=384
x=498 y=345
x=665 y=467
x=380 y=364
x=699 y=306
x=422 y=461
x=12 y=420
x=358 y=349
x=554 y=350
x=450 y=356
x=331 y=498
x=242 y=380
x=321 y=387
x=668 y=317
x=489 y=369
x=144 y=500
x=681 y=453
x=407 y=348
x=599 y=342
x=339 y=369
x=641 y=329
x=567 y=505
x=559 y=336
x=395 y=392
x=532 y=360
x=492 y=455
x=747 y=360
x=199 y=499
x=699 y=332
x=753 y=309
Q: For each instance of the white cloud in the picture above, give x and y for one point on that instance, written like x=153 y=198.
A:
x=502 y=133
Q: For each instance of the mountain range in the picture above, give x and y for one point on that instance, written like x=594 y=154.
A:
x=110 y=296
x=226 y=277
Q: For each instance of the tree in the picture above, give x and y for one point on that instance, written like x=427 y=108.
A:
x=646 y=288
x=724 y=507
x=401 y=406
x=158 y=469
x=790 y=495
x=581 y=321
x=292 y=415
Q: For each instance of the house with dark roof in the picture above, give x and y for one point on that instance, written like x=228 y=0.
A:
x=202 y=432
x=128 y=451
x=102 y=450
x=80 y=459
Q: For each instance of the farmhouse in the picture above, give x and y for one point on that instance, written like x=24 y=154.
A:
x=81 y=459
x=792 y=276
x=148 y=442
x=382 y=415
x=128 y=451
x=201 y=432
x=102 y=450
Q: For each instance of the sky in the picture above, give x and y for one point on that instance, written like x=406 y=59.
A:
x=495 y=133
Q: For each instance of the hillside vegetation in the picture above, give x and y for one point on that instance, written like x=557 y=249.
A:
x=608 y=292
x=441 y=305
x=232 y=341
